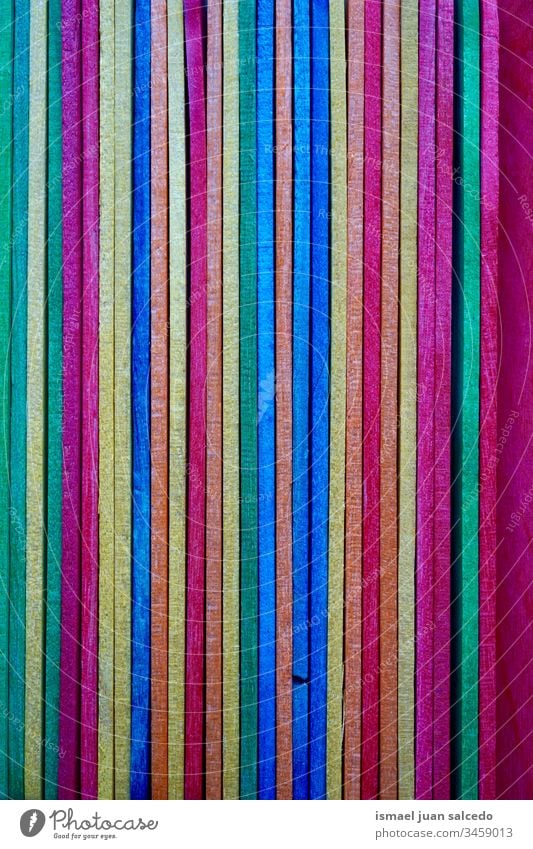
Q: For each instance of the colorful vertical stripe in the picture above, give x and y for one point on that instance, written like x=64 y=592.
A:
x=70 y=672
x=264 y=409
x=122 y=380
x=247 y=397
x=230 y=403
x=36 y=427
x=266 y=401
x=320 y=333
x=140 y=405
x=159 y=371
x=17 y=436
x=6 y=147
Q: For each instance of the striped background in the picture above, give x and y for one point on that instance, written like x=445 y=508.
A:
x=266 y=404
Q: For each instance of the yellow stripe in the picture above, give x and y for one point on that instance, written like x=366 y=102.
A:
x=123 y=92
x=106 y=504
x=407 y=471
x=36 y=400
x=230 y=388
x=338 y=399
x=178 y=396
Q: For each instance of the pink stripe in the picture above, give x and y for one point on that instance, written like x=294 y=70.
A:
x=514 y=610
x=69 y=720
x=89 y=593
x=194 y=674
x=488 y=456
x=443 y=335
x=426 y=402
x=372 y=400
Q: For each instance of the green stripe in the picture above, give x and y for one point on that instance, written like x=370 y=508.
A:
x=17 y=623
x=248 y=400
x=466 y=385
x=54 y=378
x=7 y=722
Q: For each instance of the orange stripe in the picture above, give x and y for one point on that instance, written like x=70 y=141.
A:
x=284 y=399
x=159 y=403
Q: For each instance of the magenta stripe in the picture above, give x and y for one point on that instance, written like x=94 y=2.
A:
x=443 y=335
x=514 y=681
x=89 y=592
x=69 y=720
x=372 y=405
x=488 y=448
x=194 y=672
x=426 y=402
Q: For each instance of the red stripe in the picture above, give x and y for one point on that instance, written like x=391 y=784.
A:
x=354 y=410
x=443 y=335
x=194 y=673
x=159 y=397
x=214 y=611
x=489 y=449
x=515 y=401
x=372 y=399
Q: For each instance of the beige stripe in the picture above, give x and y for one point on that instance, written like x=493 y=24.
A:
x=35 y=552
x=407 y=453
x=123 y=93
x=106 y=499
x=230 y=404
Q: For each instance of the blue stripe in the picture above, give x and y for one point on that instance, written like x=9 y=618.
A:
x=140 y=673
x=320 y=333
x=301 y=365
x=266 y=401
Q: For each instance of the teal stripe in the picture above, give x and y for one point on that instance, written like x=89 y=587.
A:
x=7 y=721
x=54 y=379
x=466 y=401
x=248 y=401
x=17 y=623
